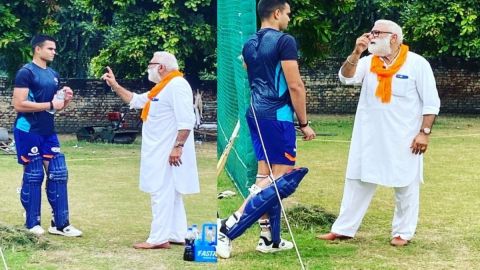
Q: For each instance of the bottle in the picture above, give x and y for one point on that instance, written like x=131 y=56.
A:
x=188 y=253
x=60 y=95
x=210 y=236
x=196 y=232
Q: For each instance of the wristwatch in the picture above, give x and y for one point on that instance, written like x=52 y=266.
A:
x=303 y=125
x=426 y=131
x=179 y=144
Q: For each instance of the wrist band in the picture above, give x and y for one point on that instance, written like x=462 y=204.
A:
x=351 y=63
x=51 y=105
x=302 y=125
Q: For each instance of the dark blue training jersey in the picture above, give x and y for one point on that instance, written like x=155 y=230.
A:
x=42 y=85
x=263 y=53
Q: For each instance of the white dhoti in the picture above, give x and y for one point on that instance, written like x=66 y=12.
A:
x=357 y=196
x=169 y=220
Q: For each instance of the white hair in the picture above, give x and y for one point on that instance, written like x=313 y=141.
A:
x=167 y=59
x=392 y=27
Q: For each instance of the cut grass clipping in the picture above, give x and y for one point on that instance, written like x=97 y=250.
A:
x=309 y=217
x=18 y=238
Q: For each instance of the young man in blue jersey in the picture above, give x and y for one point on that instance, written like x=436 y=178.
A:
x=271 y=60
x=36 y=97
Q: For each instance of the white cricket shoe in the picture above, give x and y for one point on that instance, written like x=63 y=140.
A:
x=266 y=246
x=37 y=230
x=224 y=244
x=68 y=231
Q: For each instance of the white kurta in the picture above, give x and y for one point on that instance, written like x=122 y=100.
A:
x=383 y=132
x=171 y=110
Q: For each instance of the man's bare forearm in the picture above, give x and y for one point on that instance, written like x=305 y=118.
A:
x=298 y=97
x=350 y=65
x=29 y=106
x=182 y=136
x=428 y=120
x=123 y=93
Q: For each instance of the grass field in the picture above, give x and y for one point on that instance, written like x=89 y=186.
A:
x=448 y=234
x=107 y=205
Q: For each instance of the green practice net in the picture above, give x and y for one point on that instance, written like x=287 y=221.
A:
x=236 y=22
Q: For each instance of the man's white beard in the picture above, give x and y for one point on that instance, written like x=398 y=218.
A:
x=153 y=75
x=380 y=47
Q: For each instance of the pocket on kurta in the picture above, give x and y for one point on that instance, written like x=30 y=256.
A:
x=400 y=85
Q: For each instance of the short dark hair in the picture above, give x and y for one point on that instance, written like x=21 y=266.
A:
x=265 y=8
x=38 y=40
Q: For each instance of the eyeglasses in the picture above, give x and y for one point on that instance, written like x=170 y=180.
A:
x=376 y=33
x=153 y=63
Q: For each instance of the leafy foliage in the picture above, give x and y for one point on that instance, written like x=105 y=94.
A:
x=360 y=20
x=120 y=33
x=19 y=19
x=139 y=28
x=124 y=34
x=443 y=28
x=433 y=28
x=313 y=25
x=78 y=39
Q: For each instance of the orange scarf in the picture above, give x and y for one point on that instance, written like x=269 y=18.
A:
x=156 y=89
x=384 y=76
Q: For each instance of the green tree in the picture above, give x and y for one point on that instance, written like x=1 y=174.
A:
x=92 y=34
x=433 y=28
x=443 y=28
x=314 y=26
x=359 y=20
x=19 y=20
x=78 y=38
x=138 y=28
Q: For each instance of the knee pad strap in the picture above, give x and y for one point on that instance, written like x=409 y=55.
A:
x=254 y=190
x=264 y=223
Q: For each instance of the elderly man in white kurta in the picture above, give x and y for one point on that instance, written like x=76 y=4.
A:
x=396 y=110
x=168 y=167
